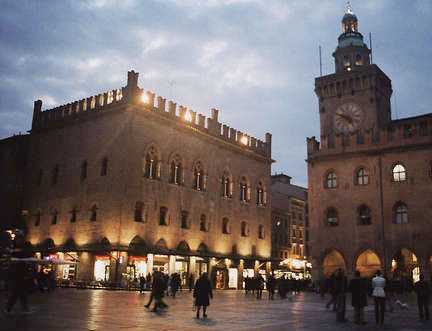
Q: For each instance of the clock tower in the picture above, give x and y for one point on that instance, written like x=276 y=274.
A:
x=356 y=98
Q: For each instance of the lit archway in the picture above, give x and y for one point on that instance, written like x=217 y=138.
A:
x=332 y=262
x=368 y=263
x=405 y=265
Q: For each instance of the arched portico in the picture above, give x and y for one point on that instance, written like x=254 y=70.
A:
x=368 y=263
x=333 y=261
x=405 y=264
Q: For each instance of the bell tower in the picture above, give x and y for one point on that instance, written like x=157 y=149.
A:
x=356 y=98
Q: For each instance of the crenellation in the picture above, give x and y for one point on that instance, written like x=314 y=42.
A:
x=43 y=119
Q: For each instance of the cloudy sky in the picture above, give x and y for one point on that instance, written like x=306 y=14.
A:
x=254 y=60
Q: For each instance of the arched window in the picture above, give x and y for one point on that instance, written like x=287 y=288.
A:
x=244 y=229
x=104 y=166
x=244 y=190
x=332 y=217
x=331 y=180
x=163 y=216
x=399 y=173
x=400 y=213
x=199 y=177
x=227 y=185
x=93 y=213
x=152 y=164
x=362 y=177
x=176 y=171
x=184 y=219
x=139 y=206
x=260 y=231
x=203 y=223
x=226 y=228
x=364 y=215
x=261 y=194
x=54 y=215
x=83 y=175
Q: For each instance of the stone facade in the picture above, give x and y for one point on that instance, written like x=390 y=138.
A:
x=370 y=176
x=125 y=184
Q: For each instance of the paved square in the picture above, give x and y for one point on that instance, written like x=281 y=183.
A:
x=74 y=309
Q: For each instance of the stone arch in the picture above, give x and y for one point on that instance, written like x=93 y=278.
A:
x=105 y=244
x=405 y=264
x=367 y=262
x=202 y=248
x=70 y=246
x=137 y=244
x=161 y=244
x=48 y=244
x=183 y=246
x=333 y=260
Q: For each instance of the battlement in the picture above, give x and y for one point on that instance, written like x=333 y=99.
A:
x=131 y=94
x=405 y=132
x=337 y=85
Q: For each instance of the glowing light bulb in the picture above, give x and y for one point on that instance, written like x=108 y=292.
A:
x=244 y=140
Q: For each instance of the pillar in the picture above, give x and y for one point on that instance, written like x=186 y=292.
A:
x=150 y=263
x=171 y=264
x=256 y=268
x=240 y=269
x=192 y=266
x=85 y=267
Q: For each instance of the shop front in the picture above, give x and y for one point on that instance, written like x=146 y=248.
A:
x=102 y=268
x=182 y=268
x=137 y=267
x=161 y=263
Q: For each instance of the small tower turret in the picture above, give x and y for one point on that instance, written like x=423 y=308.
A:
x=351 y=52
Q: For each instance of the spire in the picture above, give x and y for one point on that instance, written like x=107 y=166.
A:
x=349 y=9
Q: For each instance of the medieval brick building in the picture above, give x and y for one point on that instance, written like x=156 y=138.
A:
x=370 y=178
x=125 y=187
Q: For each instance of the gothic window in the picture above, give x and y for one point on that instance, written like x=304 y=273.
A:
x=83 y=175
x=226 y=226
x=244 y=190
x=399 y=173
x=54 y=214
x=362 y=177
x=93 y=213
x=37 y=218
x=260 y=231
x=163 y=216
x=176 y=171
x=244 y=229
x=199 y=177
x=73 y=215
x=104 y=166
x=364 y=215
x=261 y=194
x=332 y=217
x=184 y=219
x=400 y=213
x=227 y=185
x=331 y=180
x=203 y=223
x=152 y=164
x=139 y=206
x=55 y=173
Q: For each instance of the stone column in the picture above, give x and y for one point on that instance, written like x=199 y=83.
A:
x=85 y=268
x=150 y=263
x=240 y=269
x=171 y=264
x=192 y=266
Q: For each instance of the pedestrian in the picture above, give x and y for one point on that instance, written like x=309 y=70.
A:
x=331 y=287
x=142 y=283
x=358 y=289
x=271 y=286
x=158 y=289
x=202 y=294
x=191 y=282
x=259 y=286
x=378 y=293
x=175 y=283
x=17 y=275
x=341 y=285
x=423 y=293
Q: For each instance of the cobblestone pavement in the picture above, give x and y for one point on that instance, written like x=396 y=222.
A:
x=74 y=309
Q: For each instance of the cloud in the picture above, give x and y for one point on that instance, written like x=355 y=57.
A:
x=98 y=4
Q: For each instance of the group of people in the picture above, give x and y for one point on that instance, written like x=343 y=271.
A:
x=284 y=286
x=380 y=291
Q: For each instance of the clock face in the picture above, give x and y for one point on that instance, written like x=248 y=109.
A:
x=347 y=118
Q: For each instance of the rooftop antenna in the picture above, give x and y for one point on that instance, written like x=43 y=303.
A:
x=370 y=46
x=320 y=60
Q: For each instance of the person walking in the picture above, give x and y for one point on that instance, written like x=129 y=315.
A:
x=341 y=285
x=423 y=293
x=331 y=287
x=378 y=293
x=358 y=289
x=202 y=293
x=271 y=286
x=259 y=286
x=191 y=282
x=142 y=283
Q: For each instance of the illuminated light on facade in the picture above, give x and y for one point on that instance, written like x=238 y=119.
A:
x=188 y=116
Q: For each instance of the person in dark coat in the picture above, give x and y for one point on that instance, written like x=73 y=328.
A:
x=191 y=282
x=358 y=289
x=331 y=285
x=142 y=283
x=423 y=293
x=340 y=290
x=202 y=293
x=271 y=286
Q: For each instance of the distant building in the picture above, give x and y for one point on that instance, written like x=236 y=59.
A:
x=370 y=177
x=289 y=224
x=126 y=187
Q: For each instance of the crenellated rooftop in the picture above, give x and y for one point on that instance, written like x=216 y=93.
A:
x=131 y=94
x=413 y=131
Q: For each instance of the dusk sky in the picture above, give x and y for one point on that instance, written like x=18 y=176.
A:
x=254 y=60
